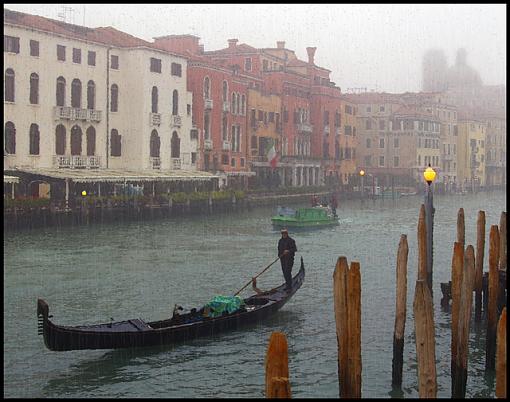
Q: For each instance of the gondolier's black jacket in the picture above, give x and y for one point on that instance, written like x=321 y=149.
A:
x=287 y=243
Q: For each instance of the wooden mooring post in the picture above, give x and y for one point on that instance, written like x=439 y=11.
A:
x=400 y=312
x=422 y=245
x=457 y=270
x=501 y=372
x=277 y=367
x=347 y=300
x=492 y=307
x=461 y=228
x=502 y=241
x=480 y=253
x=425 y=340
x=464 y=318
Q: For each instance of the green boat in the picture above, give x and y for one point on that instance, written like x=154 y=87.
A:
x=307 y=217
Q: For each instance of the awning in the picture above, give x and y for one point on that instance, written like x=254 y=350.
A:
x=11 y=179
x=120 y=176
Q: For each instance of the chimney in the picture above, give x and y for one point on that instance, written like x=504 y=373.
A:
x=311 y=53
x=232 y=43
x=280 y=44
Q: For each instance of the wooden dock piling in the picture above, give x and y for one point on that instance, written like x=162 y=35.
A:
x=502 y=241
x=354 y=324
x=400 y=312
x=457 y=270
x=347 y=299
x=342 y=336
x=277 y=367
x=422 y=245
x=461 y=231
x=492 y=313
x=425 y=340
x=501 y=357
x=466 y=301
x=480 y=253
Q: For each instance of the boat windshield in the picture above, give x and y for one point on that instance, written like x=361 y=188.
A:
x=285 y=211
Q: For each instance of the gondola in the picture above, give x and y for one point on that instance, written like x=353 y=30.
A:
x=181 y=327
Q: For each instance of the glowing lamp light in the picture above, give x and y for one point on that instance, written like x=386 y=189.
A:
x=362 y=173
x=84 y=193
x=429 y=174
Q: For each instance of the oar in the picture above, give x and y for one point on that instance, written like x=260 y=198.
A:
x=265 y=269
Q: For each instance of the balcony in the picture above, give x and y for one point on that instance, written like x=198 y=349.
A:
x=76 y=161
x=338 y=131
x=208 y=145
x=226 y=107
x=73 y=113
x=155 y=162
x=176 y=121
x=326 y=130
x=208 y=104
x=226 y=146
x=304 y=128
x=447 y=157
x=176 y=163
x=155 y=119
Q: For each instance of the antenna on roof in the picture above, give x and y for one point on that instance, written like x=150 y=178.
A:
x=67 y=14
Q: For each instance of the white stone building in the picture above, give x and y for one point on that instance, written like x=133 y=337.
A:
x=78 y=97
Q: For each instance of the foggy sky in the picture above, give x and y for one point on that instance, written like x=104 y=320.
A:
x=374 y=46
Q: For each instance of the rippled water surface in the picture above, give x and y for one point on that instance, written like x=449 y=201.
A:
x=141 y=269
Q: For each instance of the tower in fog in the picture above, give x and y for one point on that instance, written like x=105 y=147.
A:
x=434 y=70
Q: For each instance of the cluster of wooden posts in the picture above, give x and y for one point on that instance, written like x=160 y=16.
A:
x=467 y=274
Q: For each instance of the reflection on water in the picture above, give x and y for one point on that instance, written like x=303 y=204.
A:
x=141 y=269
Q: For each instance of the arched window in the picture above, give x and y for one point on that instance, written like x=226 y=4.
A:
x=154 y=97
x=225 y=91
x=10 y=138
x=238 y=103
x=9 y=85
x=34 y=89
x=76 y=135
x=60 y=140
x=76 y=93
x=114 y=99
x=34 y=139
x=116 y=143
x=224 y=128
x=61 y=91
x=175 y=150
x=175 y=103
x=91 y=95
x=154 y=144
x=233 y=103
x=91 y=141
x=243 y=105
x=207 y=88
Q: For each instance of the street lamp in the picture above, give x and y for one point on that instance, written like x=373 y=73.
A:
x=429 y=175
x=362 y=174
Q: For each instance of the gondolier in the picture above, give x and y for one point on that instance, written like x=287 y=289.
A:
x=286 y=250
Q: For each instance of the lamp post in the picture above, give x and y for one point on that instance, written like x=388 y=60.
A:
x=362 y=174
x=429 y=174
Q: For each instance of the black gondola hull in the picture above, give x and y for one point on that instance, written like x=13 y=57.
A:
x=136 y=333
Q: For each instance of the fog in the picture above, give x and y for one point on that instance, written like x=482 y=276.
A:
x=377 y=46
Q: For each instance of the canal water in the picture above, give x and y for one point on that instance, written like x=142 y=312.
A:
x=141 y=269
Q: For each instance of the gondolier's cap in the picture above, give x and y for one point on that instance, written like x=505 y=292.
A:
x=284 y=230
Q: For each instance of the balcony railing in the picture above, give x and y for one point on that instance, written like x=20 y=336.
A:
x=208 y=104
x=76 y=161
x=338 y=131
x=155 y=162
x=226 y=145
x=304 y=128
x=73 y=113
x=155 y=119
x=226 y=107
x=208 y=144
x=176 y=163
x=176 y=121
x=326 y=130
x=447 y=157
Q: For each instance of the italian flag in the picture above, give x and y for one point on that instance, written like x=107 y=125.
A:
x=272 y=156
